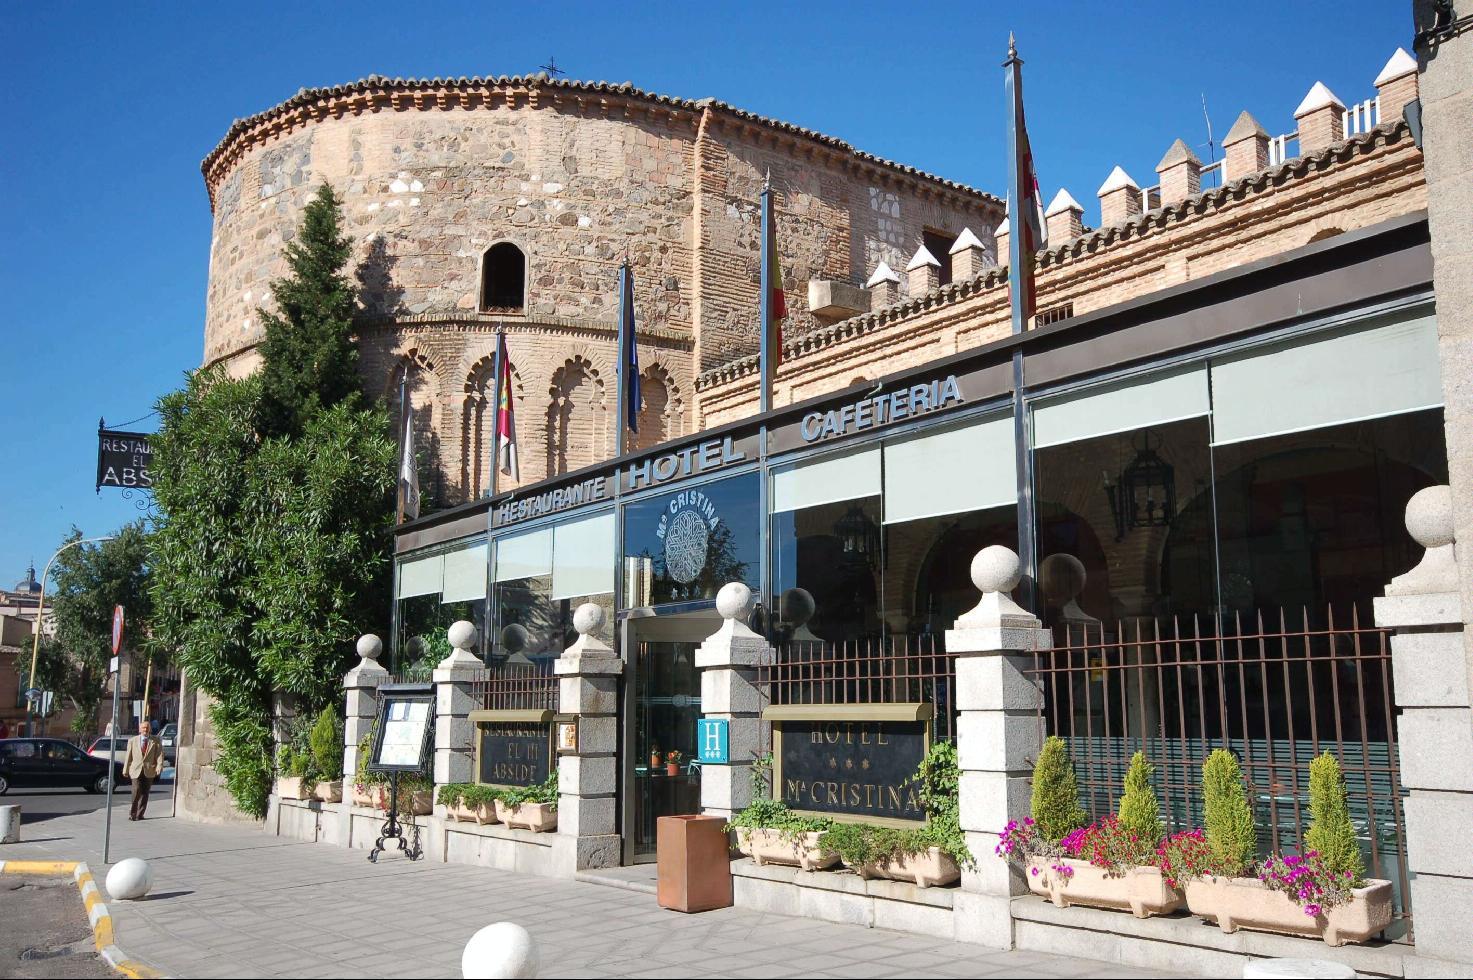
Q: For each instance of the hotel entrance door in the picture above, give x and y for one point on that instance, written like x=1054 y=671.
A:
x=663 y=704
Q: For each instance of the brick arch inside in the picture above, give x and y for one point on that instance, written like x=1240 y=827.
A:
x=577 y=417
x=662 y=411
x=477 y=454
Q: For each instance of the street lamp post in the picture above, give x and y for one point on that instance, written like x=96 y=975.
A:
x=40 y=613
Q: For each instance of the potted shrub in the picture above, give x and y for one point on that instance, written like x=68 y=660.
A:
x=1108 y=864
x=416 y=795
x=672 y=763
x=327 y=756
x=452 y=797
x=926 y=856
x=481 y=801
x=656 y=759
x=1322 y=892
x=532 y=807
x=768 y=832
x=291 y=767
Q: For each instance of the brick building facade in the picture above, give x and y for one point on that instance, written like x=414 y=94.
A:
x=456 y=189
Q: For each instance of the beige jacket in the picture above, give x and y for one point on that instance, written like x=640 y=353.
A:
x=147 y=764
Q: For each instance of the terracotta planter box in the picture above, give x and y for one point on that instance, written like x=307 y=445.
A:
x=421 y=803
x=766 y=846
x=1247 y=903
x=536 y=817
x=1141 y=891
x=925 y=869
x=330 y=792
x=461 y=812
x=289 y=787
x=486 y=813
x=363 y=795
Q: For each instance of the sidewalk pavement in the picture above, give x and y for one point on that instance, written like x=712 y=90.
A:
x=235 y=902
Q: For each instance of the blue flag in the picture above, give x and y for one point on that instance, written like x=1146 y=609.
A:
x=628 y=358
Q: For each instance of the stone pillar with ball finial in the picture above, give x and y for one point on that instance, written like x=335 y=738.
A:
x=360 y=693
x=588 y=689
x=454 y=679
x=997 y=739
x=728 y=660
x=1430 y=679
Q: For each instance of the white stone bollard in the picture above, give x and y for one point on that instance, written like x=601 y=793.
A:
x=130 y=878
x=10 y=824
x=501 y=951
x=1290 y=969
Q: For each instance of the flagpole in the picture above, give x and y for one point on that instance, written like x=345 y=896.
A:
x=496 y=413
x=403 y=432
x=764 y=403
x=1021 y=295
x=622 y=424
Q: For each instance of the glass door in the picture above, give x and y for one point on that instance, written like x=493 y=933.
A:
x=666 y=703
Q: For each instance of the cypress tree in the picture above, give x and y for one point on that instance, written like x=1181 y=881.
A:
x=310 y=362
x=1055 y=807
x=1140 y=813
x=1231 y=837
x=1330 y=830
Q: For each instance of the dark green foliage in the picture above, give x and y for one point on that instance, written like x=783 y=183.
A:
x=1140 y=812
x=327 y=745
x=276 y=495
x=1056 y=809
x=1232 y=839
x=1330 y=831
x=310 y=361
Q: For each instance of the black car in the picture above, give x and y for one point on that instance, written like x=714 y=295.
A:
x=48 y=762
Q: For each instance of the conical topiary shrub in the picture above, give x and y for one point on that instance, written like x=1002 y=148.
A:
x=1140 y=812
x=1056 y=809
x=1330 y=830
x=1232 y=840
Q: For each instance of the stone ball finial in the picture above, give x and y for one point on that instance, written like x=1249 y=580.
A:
x=461 y=634
x=996 y=569
x=370 y=647
x=588 y=618
x=1429 y=516
x=514 y=638
x=797 y=607
x=734 y=601
x=1062 y=578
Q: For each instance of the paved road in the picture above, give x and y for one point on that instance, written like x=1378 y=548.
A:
x=40 y=805
x=232 y=902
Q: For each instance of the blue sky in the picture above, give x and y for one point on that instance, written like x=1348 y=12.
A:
x=104 y=257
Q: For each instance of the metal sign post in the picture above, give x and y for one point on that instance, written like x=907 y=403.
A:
x=107 y=833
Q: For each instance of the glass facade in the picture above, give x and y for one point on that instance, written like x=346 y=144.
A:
x=541 y=577
x=685 y=545
x=433 y=589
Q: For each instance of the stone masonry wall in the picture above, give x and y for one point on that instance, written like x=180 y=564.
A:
x=431 y=179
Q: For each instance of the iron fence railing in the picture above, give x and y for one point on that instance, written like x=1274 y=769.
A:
x=516 y=686
x=871 y=670
x=1276 y=690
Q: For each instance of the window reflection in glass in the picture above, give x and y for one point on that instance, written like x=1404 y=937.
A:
x=687 y=544
x=436 y=588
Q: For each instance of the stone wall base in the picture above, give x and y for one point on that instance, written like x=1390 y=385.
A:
x=844 y=898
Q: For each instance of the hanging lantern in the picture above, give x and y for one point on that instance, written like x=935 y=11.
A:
x=1144 y=495
x=859 y=536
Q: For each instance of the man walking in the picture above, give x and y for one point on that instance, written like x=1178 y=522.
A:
x=142 y=764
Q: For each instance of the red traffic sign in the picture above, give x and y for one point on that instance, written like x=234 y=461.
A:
x=117 y=629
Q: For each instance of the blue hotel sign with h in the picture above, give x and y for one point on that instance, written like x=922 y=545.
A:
x=713 y=746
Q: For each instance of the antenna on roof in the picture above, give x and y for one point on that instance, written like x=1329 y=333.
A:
x=1211 y=146
x=551 y=67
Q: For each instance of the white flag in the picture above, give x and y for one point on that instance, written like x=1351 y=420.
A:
x=408 y=469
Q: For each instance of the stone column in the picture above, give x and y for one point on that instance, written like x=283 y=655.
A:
x=1434 y=734
x=589 y=672
x=997 y=739
x=454 y=702
x=728 y=661
x=360 y=692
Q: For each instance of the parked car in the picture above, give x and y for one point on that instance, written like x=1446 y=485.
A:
x=106 y=746
x=169 y=738
x=46 y=762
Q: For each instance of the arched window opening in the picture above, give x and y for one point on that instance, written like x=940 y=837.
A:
x=503 y=279
x=575 y=417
